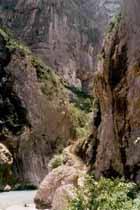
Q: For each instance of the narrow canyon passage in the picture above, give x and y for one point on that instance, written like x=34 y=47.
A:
x=69 y=105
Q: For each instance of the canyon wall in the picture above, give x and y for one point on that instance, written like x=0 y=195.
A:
x=67 y=35
x=39 y=113
x=116 y=133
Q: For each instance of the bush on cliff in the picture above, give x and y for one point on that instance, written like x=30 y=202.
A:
x=106 y=194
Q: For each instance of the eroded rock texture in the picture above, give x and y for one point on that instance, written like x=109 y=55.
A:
x=66 y=34
x=117 y=86
x=37 y=119
x=51 y=194
x=23 y=112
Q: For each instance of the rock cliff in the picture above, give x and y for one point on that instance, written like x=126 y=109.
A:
x=66 y=34
x=115 y=143
x=39 y=113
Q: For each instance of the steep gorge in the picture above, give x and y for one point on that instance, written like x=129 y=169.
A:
x=49 y=124
x=66 y=34
x=39 y=113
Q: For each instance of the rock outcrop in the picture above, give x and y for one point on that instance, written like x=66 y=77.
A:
x=116 y=132
x=65 y=34
x=5 y=155
x=6 y=160
x=37 y=119
x=63 y=196
x=59 y=187
x=60 y=180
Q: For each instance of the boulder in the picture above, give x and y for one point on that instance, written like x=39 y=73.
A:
x=63 y=196
x=7 y=188
x=59 y=177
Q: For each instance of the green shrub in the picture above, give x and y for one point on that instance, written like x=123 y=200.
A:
x=82 y=101
x=80 y=127
x=114 y=22
x=6 y=176
x=56 y=161
x=51 y=84
x=106 y=194
x=11 y=43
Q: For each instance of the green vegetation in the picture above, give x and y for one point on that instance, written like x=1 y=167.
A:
x=80 y=122
x=56 y=161
x=51 y=83
x=56 y=90
x=106 y=194
x=81 y=100
x=59 y=144
x=114 y=22
x=2 y=176
x=13 y=44
x=44 y=72
x=80 y=109
x=6 y=176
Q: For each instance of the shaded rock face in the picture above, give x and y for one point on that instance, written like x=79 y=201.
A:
x=66 y=34
x=117 y=86
x=36 y=119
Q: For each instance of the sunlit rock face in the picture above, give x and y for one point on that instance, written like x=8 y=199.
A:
x=66 y=34
x=5 y=155
x=115 y=144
